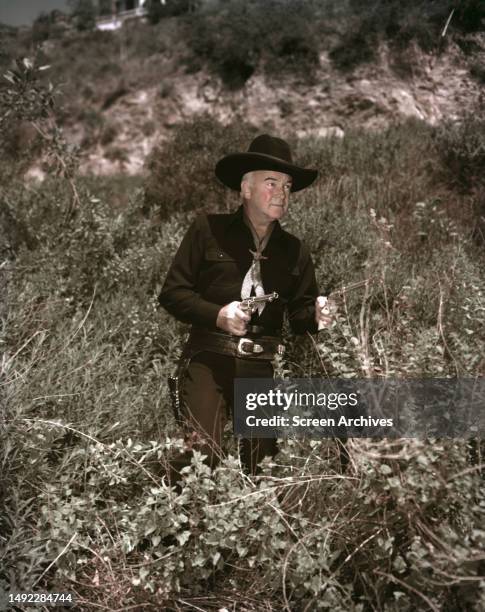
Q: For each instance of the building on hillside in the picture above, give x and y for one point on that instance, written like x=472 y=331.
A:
x=112 y=13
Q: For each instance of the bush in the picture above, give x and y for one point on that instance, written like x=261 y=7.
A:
x=84 y=14
x=234 y=38
x=181 y=172
x=470 y=16
x=399 y=24
x=462 y=147
x=171 y=8
x=41 y=28
x=357 y=47
x=477 y=70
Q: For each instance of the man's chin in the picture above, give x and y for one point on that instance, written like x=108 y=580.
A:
x=277 y=211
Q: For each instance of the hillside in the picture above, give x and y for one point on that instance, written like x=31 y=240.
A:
x=323 y=72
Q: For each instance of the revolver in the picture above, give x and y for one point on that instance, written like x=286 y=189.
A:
x=250 y=304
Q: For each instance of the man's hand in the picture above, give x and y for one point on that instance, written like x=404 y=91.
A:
x=325 y=311
x=233 y=319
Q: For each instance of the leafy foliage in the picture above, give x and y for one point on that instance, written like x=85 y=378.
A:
x=173 y=8
x=27 y=100
x=462 y=145
x=181 y=175
x=84 y=14
x=233 y=38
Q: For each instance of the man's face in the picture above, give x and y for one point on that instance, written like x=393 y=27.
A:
x=266 y=194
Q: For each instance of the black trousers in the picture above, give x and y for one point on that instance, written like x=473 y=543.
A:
x=207 y=393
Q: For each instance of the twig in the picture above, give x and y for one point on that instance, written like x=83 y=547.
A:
x=85 y=435
x=409 y=587
x=153 y=561
x=290 y=484
x=186 y=603
x=441 y=328
x=350 y=555
x=55 y=560
x=7 y=362
x=71 y=338
x=443 y=33
x=346 y=288
x=475 y=468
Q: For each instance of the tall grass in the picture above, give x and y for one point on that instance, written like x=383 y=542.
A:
x=87 y=427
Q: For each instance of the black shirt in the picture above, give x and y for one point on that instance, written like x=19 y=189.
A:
x=212 y=261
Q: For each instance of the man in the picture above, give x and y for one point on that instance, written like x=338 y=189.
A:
x=229 y=257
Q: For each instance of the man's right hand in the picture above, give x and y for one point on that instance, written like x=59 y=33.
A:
x=232 y=319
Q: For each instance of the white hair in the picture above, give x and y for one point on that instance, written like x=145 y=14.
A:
x=247 y=177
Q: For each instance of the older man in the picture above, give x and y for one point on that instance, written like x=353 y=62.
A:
x=224 y=259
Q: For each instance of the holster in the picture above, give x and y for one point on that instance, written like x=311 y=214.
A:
x=175 y=385
x=174 y=391
x=260 y=347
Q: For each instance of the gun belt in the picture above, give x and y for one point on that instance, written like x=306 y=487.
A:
x=259 y=347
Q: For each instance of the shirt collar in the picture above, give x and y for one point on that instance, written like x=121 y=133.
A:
x=238 y=218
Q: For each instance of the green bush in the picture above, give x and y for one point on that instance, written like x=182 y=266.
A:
x=399 y=24
x=233 y=38
x=171 y=8
x=84 y=14
x=477 y=70
x=471 y=16
x=41 y=28
x=462 y=147
x=181 y=172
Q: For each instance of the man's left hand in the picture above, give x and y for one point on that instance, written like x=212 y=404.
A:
x=325 y=311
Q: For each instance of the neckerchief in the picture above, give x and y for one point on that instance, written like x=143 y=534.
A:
x=253 y=276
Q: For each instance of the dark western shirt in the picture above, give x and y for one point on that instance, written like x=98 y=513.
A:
x=212 y=261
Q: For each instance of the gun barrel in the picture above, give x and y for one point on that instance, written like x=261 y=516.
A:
x=346 y=288
x=268 y=297
x=252 y=302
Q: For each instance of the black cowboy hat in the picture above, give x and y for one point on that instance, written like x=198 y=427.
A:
x=265 y=153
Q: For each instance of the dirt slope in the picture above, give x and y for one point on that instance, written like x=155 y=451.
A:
x=428 y=87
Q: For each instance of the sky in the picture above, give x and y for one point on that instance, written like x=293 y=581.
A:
x=23 y=12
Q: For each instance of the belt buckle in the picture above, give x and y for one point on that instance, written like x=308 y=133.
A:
x=254 y=348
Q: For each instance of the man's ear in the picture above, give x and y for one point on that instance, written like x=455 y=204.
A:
x=246 y=189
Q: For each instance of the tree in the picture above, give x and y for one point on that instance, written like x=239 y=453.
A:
x=41 y=28
x=84 y=14
x=155 y=11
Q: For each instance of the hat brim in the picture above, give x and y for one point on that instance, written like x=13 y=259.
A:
x=230 y=169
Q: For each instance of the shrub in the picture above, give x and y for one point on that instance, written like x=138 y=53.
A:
x=477 y=70
x=108 y=134
x=471 y=15
x=181 y=172
x=462 y=147
x=84 y=14
x=41 y=28
x=357 y=47
x=171 y=8
x=370 y=23
x=233 y=38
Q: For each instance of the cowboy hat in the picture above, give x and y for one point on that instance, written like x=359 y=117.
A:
x=264 y=153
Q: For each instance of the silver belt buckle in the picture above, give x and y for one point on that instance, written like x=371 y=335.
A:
x=253 y=347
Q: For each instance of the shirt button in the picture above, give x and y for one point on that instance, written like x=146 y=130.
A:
x=221 y=254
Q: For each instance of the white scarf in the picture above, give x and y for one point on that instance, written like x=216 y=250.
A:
x=253 y=276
